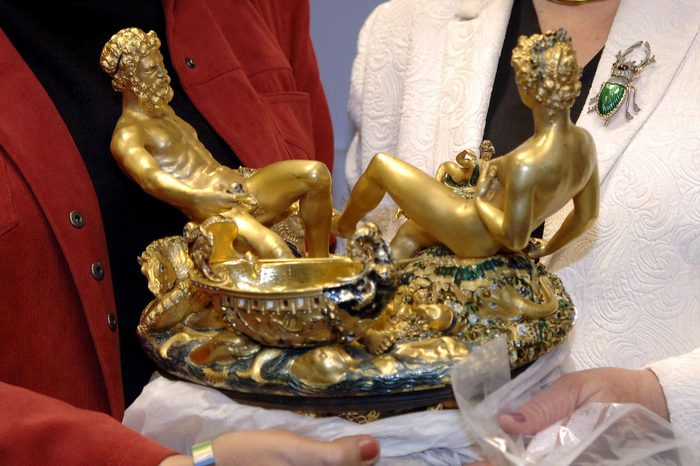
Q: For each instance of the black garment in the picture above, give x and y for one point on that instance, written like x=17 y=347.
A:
x=509 y=122
x=61 y=41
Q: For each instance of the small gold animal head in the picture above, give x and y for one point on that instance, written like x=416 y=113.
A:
x=164 y=262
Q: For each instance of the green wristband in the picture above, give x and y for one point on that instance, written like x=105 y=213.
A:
x=203 y=454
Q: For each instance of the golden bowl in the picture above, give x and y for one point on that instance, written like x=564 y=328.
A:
x=296 y=303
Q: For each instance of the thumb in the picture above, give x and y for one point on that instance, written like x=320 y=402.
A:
x=353 y=450
x=279 y=447
x=543 y=410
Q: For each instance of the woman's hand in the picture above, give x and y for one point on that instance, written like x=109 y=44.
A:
x=603 y=385
x=570 y=392
x=282 y=448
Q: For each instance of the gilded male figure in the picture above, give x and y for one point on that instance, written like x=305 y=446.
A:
x=162 y=153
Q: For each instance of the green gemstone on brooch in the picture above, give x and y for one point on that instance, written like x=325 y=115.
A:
x=610 y=98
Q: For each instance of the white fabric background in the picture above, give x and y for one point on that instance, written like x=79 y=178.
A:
x=180 y=414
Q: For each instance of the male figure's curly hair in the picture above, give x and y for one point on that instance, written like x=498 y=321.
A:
x=546 y=68
x=123 y=52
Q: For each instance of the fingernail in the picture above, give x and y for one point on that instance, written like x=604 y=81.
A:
x=369 y=449
x=517 y=417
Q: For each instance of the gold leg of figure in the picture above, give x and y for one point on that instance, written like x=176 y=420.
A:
x=410 y=239
x=307 y=181
x=451 y=219
x=264 y=242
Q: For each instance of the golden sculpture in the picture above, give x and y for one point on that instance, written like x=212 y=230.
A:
x=161 y=153
x=516 y=192
x=234 y=310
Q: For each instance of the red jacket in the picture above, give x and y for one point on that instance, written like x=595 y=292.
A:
x=255 y=79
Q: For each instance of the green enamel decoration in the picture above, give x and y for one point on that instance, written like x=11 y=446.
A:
x=610 y=98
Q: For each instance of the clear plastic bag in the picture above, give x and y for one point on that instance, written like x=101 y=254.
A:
x=596 y=434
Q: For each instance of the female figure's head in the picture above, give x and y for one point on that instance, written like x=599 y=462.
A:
x=546 y=70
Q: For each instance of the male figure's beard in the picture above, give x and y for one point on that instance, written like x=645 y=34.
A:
x=153 y=97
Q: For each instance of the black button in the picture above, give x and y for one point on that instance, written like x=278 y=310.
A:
x=112 y=321
x=98 y=272
x=190 y=63
x=77 y=219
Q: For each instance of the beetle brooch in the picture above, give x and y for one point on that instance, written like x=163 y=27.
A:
x=618 y=89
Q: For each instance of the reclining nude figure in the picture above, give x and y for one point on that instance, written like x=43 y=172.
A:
x=515 y=192
x=162 y=153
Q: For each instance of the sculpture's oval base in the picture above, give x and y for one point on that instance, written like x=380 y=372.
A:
x=443 y=307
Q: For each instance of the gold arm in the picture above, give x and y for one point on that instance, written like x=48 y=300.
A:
x=579 y=220
x=131 y=155
x=512 y=225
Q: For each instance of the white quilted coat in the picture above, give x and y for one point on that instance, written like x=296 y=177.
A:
x=420 y=90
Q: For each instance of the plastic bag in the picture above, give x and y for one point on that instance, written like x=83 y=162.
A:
x=596 y=434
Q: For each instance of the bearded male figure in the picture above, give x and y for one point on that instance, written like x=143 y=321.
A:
x=162 y=153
